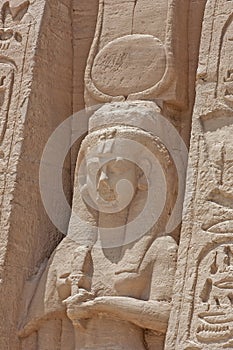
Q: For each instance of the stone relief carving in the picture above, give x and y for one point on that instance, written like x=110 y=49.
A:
x=213 y=315
x=206 y=293
x=225 y=71
x=7 y=80
x=105 y=277
x=103 y=282
x=8 y=34
x=136 y=58
x=219 y=196
x=13 y=19
x=16 y=31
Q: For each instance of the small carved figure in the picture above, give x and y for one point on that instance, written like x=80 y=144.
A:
x=215 y=320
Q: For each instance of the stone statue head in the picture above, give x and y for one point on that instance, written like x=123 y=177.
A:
x=110 y=174
x=120 y=162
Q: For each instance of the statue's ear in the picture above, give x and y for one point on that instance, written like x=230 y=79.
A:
x=145 y=167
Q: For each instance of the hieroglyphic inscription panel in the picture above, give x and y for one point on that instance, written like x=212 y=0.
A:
x=16 y=31
x=203 y=296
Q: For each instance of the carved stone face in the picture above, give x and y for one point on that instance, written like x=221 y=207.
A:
x=110 y=175
x=110 y=180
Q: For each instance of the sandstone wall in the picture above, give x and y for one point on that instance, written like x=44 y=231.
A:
x=48 y=72
x=36 y=95
x=202 y=312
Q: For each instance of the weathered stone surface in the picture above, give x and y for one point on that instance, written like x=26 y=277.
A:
x=97 y=278
x=33 y=100
x=109 y=283
x=135 y=53
x=202 y=313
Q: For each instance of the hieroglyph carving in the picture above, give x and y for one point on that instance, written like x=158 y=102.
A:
x=225 y=65
x=213 y=317
x=16 y=31
x=202 y=312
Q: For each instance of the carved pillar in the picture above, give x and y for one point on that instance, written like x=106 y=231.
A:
x=16 y=37
x=30 y=98
x=203 y=295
